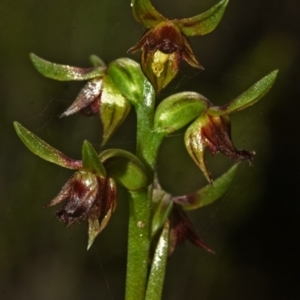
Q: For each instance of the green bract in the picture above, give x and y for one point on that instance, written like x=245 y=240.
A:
x=44 y=150
x=65 y=72
x=248 y=98
x=210 y=193
x=178 y=110
x=91 y=161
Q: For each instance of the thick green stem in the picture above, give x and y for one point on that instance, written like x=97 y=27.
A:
x=138 y=244
x=139 y=236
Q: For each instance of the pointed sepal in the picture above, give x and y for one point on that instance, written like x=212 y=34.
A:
x=65 y=72
x=182 y=229
x=87 y=101
x=113 y=108
x=178 y=110
x=44 y=150
x=144 y=12
x=100 y=214
x=248 y=98
x=203 y=23
x=125 y=168
x=208 y=194
x=91 y=161
x=195 y=144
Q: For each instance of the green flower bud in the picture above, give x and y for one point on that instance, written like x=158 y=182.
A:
x=128 y=78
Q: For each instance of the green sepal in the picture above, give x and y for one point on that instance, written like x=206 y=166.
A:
x=125 y=168
x=114 y=108
x=128 y=78
x=44 y=150
x=144 y=12
x=96 y=61
x=248 y=98
x=178 y=110
x=211 y=192
x=96 y=225
x=203 y=23
x=163 y=204
x=65 y=72
x=91 y=161
x=195 y=144
x=158 y=265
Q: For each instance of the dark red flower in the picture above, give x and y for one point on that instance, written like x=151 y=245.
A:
x=214 y=132
x=163 y=47
x=87 y=196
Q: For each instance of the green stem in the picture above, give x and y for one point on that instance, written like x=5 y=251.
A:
x=139 y=236
x=158 y=267
x=138 y=244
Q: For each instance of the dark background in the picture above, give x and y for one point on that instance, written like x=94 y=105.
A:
x=253 y=228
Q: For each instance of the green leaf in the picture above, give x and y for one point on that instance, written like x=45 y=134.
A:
x=203 y=23
x=114 y=108
x=178 y=110
x=65 y=72
x=44 y=150
x=125 y=168
x=248 y=98
x=211 y=192
x=162 y=207
x=144 y=12
x=158 y=266
x=91 y=161
x=128 y=78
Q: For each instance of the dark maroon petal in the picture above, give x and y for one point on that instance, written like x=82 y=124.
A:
x=182 y=229
x=218 y=139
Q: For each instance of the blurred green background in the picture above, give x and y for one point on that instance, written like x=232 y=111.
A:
x=253 y=228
